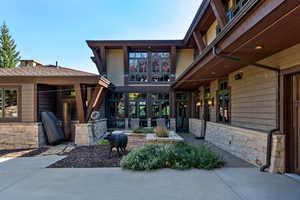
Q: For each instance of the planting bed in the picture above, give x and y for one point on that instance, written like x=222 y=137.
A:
x=89 y=157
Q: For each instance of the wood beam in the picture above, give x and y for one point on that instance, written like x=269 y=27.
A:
x=219 y=12
x=103 y=60
x=199 y=41
x=95 y=97
x=79 y=103
x=126 y=64
x=173 y=59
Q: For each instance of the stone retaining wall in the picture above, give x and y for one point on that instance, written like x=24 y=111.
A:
x=246 y=144
x=196 y=126
x=90 y=133
x=21 y=135
x=249 y=145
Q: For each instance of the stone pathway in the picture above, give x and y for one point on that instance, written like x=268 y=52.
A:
x=231 y=160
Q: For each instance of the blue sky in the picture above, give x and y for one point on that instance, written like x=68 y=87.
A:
x=56 y=30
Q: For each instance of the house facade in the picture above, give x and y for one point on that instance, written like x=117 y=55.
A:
x=29 y=90
x=233 y=80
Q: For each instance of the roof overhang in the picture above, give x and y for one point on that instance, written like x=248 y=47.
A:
x=58 y=81
x=262 y=23
x=117 y=44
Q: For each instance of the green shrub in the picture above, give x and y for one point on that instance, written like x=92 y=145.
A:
x=103 y=142
x=143 y=131
x=176 y=156
x=161 y=131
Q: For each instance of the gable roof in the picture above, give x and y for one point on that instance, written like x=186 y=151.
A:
x=43 y=71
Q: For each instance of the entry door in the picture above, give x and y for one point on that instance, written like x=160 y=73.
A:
x=296 y=123
x=181 y=118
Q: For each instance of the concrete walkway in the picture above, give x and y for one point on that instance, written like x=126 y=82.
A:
x=28 y=179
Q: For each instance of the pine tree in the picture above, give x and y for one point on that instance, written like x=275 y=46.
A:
x=9 y=56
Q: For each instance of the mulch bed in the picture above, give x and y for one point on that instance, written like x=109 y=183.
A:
x=22 y=152
x=89 y=157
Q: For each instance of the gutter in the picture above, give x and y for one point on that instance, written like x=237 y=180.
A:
x=269 y=150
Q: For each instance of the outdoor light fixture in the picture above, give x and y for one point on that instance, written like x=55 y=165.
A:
x=258 y=47
x=211 y=102
x=199 y=104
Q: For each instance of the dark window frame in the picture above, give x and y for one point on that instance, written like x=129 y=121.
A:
x=19 y=103
x=150 y=74
x=223 y=93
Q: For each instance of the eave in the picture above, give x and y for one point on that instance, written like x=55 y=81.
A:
x=134 y=43
x=260 y=23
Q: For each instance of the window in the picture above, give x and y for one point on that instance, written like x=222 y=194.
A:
x=223 y=102
x=116 y=110
x=9 y=103
x=137 y=105
x=160 y=65
x=149 y=66
x=160 y=105
x=138 y=64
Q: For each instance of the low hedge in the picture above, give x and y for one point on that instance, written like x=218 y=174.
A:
x=175 y=156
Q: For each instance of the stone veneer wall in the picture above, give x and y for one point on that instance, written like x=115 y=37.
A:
x=21 y=135
x=90 y=133
x=196 y=126
x=246 y=144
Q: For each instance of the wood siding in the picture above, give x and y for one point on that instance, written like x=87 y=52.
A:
x=47 y=98
x=254 y=99
x=28 y=102
x=115 y=66
x=211 y=33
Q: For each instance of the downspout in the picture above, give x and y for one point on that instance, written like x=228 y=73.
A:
x=270 y=133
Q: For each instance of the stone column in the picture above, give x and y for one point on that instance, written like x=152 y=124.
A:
x=126 y=123
x=172 y=124
x=278 y=154
x=135 y=123
x=149 y=123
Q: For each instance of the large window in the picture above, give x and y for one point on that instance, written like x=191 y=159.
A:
x=223 y=102
x=149 y=67
x=137 y=105
x=160 y=65
x=160 y=105
x=138 y=64
x=8 y=103
x=116 y=110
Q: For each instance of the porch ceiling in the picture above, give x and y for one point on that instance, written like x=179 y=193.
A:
x=273 y=29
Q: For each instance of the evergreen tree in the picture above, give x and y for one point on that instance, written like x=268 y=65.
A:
x=9 y=56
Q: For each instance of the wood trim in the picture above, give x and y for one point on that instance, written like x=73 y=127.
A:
x=219 y=11
x=35 y=104
x=126 y=65
x=79 y=103
x=199 y=41
x=103 y=59
x=291 y=70
x=173 y=55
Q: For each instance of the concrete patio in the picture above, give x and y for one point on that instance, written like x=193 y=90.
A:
x=27 y=178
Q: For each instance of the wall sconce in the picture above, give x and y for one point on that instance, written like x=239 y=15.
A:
x=198 y=104
x=211 y=102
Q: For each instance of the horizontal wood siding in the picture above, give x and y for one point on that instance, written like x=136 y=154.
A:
x=254 y=99
x=28 y=102
x=47 y=98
